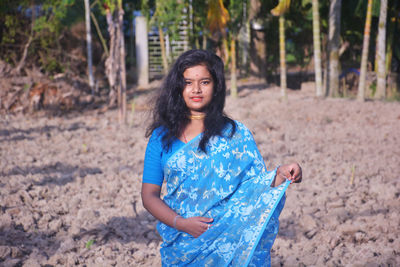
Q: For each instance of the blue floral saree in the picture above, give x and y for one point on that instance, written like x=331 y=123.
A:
x=230 y=184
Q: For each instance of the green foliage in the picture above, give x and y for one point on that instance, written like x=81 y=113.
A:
x=54 y=18
x=42 y=24
x=199 y=17
x=298 y=31
x=361 y=9
x=12 y=24
x=168 y=15
x=89 y=243
x=236 y=16
x=372 y=87
x=145 y=8
x=111 y=4
x=51 y=65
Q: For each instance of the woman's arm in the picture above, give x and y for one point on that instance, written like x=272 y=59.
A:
x=152 y=202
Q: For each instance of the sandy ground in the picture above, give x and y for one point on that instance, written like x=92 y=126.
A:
x=70 y=186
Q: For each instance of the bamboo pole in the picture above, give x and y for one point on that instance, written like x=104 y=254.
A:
x=364 y=57
x=282 y=54
x=233 y=68
x=317 y=49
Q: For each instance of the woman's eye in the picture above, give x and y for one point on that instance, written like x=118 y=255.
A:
x=188 y=83
x=206 y=82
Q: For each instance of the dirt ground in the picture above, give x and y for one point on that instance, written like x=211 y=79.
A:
x=70 y=186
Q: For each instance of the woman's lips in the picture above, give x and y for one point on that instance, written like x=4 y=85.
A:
x=196 y=99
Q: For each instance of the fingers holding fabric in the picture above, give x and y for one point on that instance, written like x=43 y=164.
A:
x=194 y=226
x=296 y=173
x=292 y=172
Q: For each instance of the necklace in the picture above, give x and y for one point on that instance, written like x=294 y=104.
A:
x=197 y=117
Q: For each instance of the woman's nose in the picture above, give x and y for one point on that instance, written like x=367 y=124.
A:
x=196 y=88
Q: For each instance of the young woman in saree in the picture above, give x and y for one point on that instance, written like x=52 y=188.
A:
x=221 y=205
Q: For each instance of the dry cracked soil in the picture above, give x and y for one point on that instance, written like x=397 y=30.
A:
x=70 y=185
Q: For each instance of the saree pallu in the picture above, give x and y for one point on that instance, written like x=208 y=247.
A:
x=230 y=184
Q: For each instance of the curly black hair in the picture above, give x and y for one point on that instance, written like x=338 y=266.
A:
x=170 y=109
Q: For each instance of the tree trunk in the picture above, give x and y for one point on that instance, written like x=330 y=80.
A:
x=111 y=61
x=131 y=48
x=89 y=45
x=381 y=53
x=364 y=57
x=163 y=50
x=204 y=44
x=392 y=33
x=122 y=67
x=142 y=51
x=282 y=54
x=245 y=41
x=333 y=47
x=115 y=63
x=317 y=49
x=233 y=68
x=225 y=49
x=257 y=56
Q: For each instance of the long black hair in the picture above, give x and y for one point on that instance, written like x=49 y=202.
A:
x=170 y=110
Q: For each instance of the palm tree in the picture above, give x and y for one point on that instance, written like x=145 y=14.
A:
x=364 y=57
x=217 y=21
x=381 y=84
x=280 y=10
x=317 y=49
x=333 y=46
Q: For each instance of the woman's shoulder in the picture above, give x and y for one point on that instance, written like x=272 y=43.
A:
x=157 y=134
x=161 y=130
x=243 y=132
x=240 y=126
x=236 y=127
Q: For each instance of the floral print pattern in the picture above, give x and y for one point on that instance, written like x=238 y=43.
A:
x=230 y=184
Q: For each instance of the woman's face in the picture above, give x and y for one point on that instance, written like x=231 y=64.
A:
x=198 y=90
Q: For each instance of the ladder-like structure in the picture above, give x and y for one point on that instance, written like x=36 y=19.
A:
x=173 y=49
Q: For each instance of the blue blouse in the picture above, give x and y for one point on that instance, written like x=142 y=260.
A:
x=156 y=157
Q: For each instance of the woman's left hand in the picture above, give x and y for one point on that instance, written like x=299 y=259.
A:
x=291 y=172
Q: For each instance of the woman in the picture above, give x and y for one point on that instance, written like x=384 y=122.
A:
x=221 y=206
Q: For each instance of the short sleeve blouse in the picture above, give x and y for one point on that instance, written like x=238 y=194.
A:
x=156 y=157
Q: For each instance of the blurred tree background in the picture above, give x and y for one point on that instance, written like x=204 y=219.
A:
x=47 y=39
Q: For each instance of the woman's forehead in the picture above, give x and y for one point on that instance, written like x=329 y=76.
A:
x=197 y=71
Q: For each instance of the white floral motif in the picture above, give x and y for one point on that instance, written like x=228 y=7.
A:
x=227 y=177
x=224 y=250
x=248 y=234
x=226 y=155
x=181 y=162
x=221 y=171
x=239 y=154
x=193 y=193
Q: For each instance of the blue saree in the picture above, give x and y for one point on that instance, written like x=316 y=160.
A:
x=231 y=185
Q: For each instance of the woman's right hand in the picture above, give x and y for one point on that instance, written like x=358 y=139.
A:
x=194 y=226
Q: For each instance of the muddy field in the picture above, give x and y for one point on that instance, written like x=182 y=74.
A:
x=70 y=186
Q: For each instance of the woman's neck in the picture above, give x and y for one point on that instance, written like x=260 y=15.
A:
x=192 y=129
